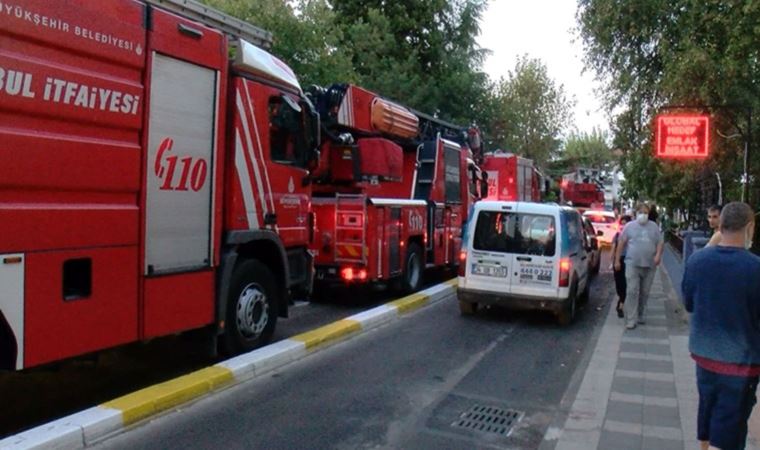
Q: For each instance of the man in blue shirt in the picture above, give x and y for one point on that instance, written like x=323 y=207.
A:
x=721 y=288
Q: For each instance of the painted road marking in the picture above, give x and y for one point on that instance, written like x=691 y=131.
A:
x=328 y=333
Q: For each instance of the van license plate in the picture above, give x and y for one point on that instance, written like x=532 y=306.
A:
x=489 y=271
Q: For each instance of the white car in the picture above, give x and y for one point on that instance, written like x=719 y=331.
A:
x=604 y=221
x=524 y=256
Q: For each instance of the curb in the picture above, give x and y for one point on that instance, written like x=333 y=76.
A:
x=87 y=427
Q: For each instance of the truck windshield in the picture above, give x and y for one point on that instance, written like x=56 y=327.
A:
x=522 y=234
x=286 y=131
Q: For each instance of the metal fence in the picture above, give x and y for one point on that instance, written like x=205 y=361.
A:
x=675 y=241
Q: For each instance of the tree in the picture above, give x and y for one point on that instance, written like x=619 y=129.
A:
x=652 y=53
x=588 y=149
x=532 y=112
x=422 y=53
x=306 y=36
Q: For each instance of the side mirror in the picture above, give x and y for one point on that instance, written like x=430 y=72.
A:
x=311 y=133
x=313 y=162
x=600 y=233
x=483 y=190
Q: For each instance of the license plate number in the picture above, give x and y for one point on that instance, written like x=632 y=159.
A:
x=489 y=271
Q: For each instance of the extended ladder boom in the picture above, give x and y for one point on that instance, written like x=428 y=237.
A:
x=214 y=18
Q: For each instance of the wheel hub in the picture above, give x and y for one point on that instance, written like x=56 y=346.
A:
x=252 y=311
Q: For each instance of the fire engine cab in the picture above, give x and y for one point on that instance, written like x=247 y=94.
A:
x=582 y=188
x=511 y=177
x=150 y=182
x=391 y=192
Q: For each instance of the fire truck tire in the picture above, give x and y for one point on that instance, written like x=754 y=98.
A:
x=252 y=307
x=411 y=279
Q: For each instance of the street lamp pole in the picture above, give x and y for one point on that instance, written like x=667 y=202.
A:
x=745 y=187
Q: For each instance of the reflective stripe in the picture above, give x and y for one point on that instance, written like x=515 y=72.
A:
x=244 y=177
x=261 y=158
x=249 y=151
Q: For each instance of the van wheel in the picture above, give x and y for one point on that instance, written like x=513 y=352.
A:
x=586 y=291
x=467 y=309
x=411 y=279
x=251 y=308
x=567 y=315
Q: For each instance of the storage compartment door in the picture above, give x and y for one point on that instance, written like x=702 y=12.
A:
x=183 y=103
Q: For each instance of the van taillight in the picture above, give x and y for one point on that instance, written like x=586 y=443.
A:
x=564 y=272
x=462 y=262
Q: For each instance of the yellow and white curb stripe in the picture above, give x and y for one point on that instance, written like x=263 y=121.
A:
x=91 y=425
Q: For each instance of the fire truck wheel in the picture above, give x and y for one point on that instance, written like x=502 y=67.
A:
x=411 y=279
x=251 y=307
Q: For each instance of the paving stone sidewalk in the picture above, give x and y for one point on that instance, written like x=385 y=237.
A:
x=639 y=390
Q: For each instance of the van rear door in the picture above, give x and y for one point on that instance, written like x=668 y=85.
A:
x=489 y=260
x=535 y=256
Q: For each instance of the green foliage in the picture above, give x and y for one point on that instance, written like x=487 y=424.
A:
x=305 y=36
x=588 y=149
x=653 y=53
x=421 y=53
x=532 y=112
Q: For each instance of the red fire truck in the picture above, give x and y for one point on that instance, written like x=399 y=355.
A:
x=582 y=188
x=392 y=190
x=150 y=183
x=511 y=177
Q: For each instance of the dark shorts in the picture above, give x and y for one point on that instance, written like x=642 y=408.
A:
x=725 y=404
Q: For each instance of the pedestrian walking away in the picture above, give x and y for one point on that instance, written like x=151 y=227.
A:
x=721 y=289
x=619 y=275
x=642 y=244
x=713 y=219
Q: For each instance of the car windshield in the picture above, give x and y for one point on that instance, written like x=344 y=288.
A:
x=523 y=234
x=600 y=218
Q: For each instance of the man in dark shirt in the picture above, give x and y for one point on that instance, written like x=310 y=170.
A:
x=721 y=288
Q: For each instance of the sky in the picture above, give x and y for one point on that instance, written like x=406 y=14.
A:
x=542 y=29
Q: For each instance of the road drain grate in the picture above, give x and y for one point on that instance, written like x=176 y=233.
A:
x=488 y=419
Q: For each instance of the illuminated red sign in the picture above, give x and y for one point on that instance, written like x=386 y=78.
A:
x=683 y=136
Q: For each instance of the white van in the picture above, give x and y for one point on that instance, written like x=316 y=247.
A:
x=524 y=256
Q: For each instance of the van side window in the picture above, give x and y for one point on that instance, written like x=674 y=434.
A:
x=574 y=232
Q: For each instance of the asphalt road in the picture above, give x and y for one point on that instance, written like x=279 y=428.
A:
x=38 y=395
x=403 y=385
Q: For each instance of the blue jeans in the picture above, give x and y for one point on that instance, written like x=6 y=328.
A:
x=725 y=404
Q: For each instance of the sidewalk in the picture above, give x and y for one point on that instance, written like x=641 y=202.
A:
x=639 y=390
